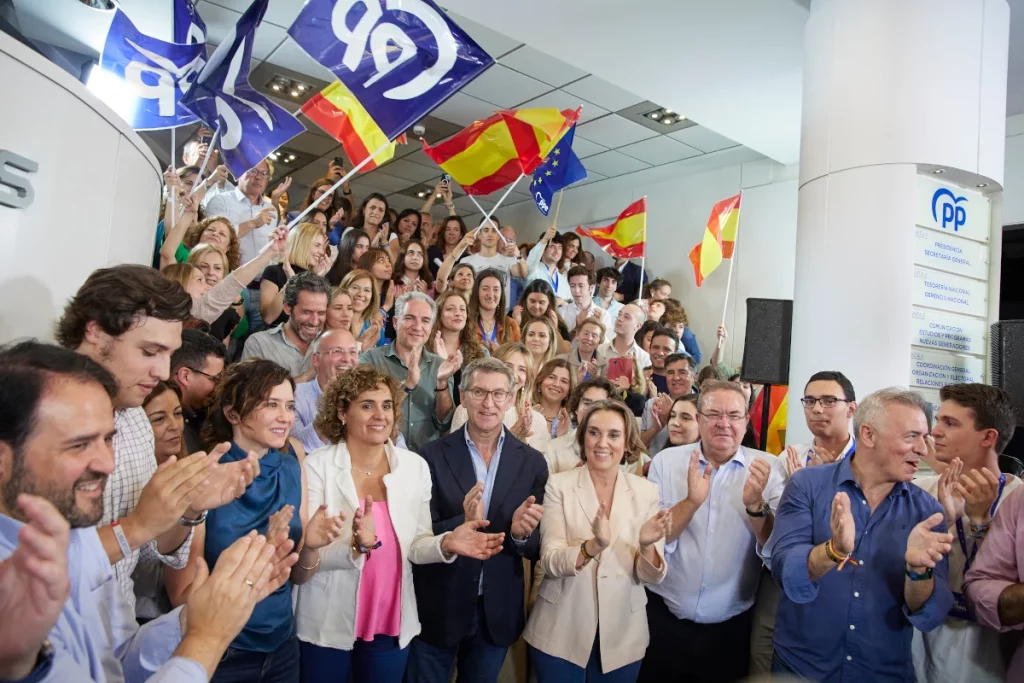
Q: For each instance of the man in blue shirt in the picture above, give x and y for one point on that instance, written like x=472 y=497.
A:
x=860 y=553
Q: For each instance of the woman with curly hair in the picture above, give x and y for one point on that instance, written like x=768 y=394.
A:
x=357 y=619
x=367 y=321
x=452 y=330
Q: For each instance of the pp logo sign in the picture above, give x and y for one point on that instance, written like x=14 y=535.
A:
x=952 y=212
x=17 y=192
x=541 y=204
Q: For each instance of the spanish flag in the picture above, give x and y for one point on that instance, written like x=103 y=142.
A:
x=626 y=237
x=341 y=115
x=719 y=238
x=778 y=410
x=490 y=154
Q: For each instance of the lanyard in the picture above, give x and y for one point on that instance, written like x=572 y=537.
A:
x=586 y=375
x=960 y=528
x=851 y=449
x=494 y=333
x=554 y=280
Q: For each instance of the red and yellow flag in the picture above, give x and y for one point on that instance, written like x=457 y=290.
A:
x=778 y=412
x=339 y=113
x=627 y=236
x=719 y=238
x=490 y=154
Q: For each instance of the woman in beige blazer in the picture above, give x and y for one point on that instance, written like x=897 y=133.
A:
x=602 y=540
x=358 y=612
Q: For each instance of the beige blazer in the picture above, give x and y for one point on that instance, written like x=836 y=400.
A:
x=325 y=606
x=608 y=590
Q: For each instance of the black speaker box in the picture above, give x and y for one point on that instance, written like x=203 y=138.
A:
x=1006 y=341
x=767 y=340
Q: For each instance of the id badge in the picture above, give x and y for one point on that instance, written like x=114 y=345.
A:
x=959 y=608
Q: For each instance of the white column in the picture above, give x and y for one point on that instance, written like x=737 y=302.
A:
x=893 y=91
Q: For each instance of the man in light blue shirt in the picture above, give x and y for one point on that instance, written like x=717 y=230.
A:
x=700 y=616
x=58 y=434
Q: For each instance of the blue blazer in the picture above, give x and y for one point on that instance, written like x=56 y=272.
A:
x=632 y=282
x=446 y=595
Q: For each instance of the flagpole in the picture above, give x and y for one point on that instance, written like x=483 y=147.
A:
x=558 y=205
x=202 y=167
x=482 y=212
x=174 y=194
x=732 y=260
x=494 y=208
x=341 y=182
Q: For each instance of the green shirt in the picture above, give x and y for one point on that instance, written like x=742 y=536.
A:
x=419 y=423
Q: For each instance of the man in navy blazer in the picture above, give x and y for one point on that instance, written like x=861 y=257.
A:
x=472 y=610
x=633 y=280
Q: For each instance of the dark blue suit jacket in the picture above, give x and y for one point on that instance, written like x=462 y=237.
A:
x=446 y=594
x=632 y=282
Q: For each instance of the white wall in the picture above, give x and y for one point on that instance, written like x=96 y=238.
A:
x=1013 y=176
x=678 y=207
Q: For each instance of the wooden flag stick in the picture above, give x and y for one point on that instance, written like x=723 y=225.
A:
x=174 y=197
x=202 y=166
x=732 y=261
x=558 y=205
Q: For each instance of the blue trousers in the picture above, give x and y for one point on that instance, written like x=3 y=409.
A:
x=551 y=669
x=479 y=659
x=380 y=660
x=243 y=666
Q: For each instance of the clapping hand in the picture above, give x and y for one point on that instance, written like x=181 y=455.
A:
x=526 y=518
x=466 y=540
x=952 y=501
x=279 y=524
x=698 y=485
x=655 y=529
x=601 y=528
x=323 y=529
x=227 y=481
x=925 y=547
x=979 y=489
x=517 y=314
x=753 y=487
x=523 y=427
x=364 y=529
x=563 y=422
x=844 y=529
x=449 y=366
x=473 y=503
x=793 y=460
x=439 y=348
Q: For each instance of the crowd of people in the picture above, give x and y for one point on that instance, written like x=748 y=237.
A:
x=385 y=447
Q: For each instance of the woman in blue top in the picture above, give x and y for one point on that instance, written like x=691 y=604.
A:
x=254 y=409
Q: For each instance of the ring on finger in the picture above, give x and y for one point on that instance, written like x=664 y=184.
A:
x=249 y=583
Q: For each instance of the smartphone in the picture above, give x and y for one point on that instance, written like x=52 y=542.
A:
x=446 y=180
x=205 y=140
x=620 y=367
x=339 y=161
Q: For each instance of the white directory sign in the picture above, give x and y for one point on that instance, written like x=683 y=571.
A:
x=936 y=369
x=953 y=210
x=943 y=251
x=947 y=292
x=949 y=332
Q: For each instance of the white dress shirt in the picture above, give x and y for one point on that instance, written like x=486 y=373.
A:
x=713 y=567
x=607 y=350
x=570 y=311
x=803 y=452
x=237 y=208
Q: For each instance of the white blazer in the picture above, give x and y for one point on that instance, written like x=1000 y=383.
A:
x=608 y=591
x=325 y=606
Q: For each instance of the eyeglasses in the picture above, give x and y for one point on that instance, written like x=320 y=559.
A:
x=826 y=401
x=499 y=395
x=259 y=174
x=718 y=417
x=338 y=351
x=212 y=378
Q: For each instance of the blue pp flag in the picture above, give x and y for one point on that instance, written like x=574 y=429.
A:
x=155 y=75
x=399 y=58
x=251 y=126
x=561 y=169
x=189 y=27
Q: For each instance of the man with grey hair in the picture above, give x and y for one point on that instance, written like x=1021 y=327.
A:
x=860 y=553
x=290 y=344
x=480 y=471
x=426 y=377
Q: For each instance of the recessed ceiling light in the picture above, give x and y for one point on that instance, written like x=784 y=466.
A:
x=982 y=185
x=294 y=93
x=669 y=111
x=668 y=120
x=300 y=87
x=275 y=86
x=939 y=171
x=654 y=115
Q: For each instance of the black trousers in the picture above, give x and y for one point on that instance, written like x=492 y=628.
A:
x=683 y=651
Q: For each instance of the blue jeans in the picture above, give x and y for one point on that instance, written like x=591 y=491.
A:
x=479 y=659
x=251 y=297
x=243 y=666
x=550 y=669
x=380 y=660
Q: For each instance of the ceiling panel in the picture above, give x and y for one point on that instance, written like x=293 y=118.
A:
x=504 y=87
x=586 y=148
x=602 y=93
x=462 y=109
x=280 y=12
x=704 y=139
x=420 y=157
x=496 y=44
x=592 y=177
x=407 y=170
x=219 y=21
x=541 y=66
x=312 y=144
x=659 y=150
x=612 y=163
x=613 y=131
x=559 y=99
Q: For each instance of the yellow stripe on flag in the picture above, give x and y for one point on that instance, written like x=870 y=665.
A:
x=362 y=123
x=484 y=157
x=629 y=231
x=710 y=254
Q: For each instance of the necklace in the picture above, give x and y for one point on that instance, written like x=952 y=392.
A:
x=370 y=472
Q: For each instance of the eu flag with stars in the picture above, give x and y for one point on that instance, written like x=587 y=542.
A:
x=561 y=169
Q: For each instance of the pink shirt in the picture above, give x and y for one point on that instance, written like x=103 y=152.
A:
x=1000 y=563
x=379 y=607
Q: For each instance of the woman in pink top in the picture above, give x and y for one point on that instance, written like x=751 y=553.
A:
x=358 y=612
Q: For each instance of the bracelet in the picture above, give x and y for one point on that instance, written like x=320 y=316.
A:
x=362 y=550
x=185 y=521
x=315 y=564
x=830 y=552
x=441 y=389
x=122 y=540
x=587 y=557
x=914 y=576
x=980 y=528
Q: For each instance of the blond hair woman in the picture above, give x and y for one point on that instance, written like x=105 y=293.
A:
x=306 y=251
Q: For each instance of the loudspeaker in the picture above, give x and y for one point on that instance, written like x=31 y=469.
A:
x=767 y=340
x=1006 y=341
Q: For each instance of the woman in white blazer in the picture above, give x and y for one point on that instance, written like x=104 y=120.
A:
x=358 y=612
x=602 y=540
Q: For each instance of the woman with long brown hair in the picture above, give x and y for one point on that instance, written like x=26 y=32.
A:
x=451 y=333
x=551 y=391
x=367 y=321
x=411 y=271
x=451 y=232
x=487 y=311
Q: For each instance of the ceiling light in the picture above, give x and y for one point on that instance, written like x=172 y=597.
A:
x=275 y=86
x=982 y=185
x=294 y=93
x=668 y=120
x=939 y=171
x=291 y=157
x=273 y=155
x=300 y=87
x=654 y=115
x=669 y=111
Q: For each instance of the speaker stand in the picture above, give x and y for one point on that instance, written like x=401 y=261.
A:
x=766 y=408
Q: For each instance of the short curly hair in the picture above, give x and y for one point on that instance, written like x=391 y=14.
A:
x=344 y=390
x=194 y=236
x=242 y=389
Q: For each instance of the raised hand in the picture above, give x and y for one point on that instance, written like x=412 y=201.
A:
x=473 y=503
x=517 y=314
x=523 y=427
x=277 y=242
x=793 y=461
x=655 y=529
x=449 y=366
x=278 y=526
x=281 y=188
x=363 y=527
x=563 y=423
x=979 y=489
x=226 y=481
x=323 y=529
x=552 y=315
x=844 y=529
x=526 y=518
x=722 y=334
x=601 y=528
x=663 y=407
x=220 y=174
x=335 y=218
x=439 y=348
x=925 y=547
x=415 y=355
x=698 y=485
x=822 y=456
x=466 y=540
x=549 y=234
x=34 y=585
x=951 y=500
x=757 y=480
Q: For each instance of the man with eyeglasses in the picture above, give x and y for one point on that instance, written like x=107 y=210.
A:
x=254 y=218
x=196 y=368
x=700 y=615
x=480 y=471
x=678 y=374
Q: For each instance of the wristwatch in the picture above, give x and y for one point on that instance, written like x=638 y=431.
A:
x=185 y=521
x=761 y=512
